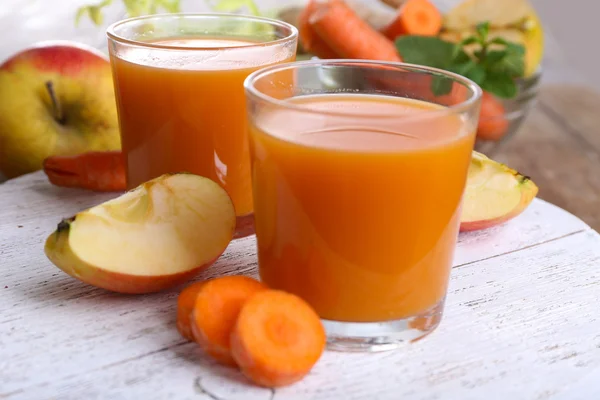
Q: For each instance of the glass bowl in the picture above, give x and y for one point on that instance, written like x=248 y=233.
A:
x=515 y=112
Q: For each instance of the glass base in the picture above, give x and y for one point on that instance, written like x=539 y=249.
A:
x=244 y=226
x=381 y=336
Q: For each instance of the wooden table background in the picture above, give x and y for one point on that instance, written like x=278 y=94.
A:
x=559 y=147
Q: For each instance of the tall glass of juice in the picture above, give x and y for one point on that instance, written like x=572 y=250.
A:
x=180 y=97
x=359 y=169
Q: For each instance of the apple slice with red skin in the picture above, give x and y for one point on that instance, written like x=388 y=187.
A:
x=156 y=236
x=494 y=194
x=56 y=98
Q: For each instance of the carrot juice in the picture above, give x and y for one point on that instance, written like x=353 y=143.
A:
x=191 y=119
x=359 y=215
x=180 y=95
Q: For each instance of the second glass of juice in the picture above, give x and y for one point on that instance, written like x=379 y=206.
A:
x=358 y=170
x=180 y=98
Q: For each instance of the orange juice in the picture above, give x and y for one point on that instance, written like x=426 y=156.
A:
x=188 y=113
x=359 y=215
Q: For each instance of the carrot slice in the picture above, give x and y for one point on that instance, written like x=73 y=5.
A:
x=310 y=40
x=493 y=124
x=185 y=307
x=216 y=309
x=277 y=339
x=415 y=17
x=348 y=35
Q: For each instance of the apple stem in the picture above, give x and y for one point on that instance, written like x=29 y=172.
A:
x=56 y=107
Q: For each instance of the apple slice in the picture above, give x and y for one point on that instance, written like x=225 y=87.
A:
x=156 y=236
x=494 y=194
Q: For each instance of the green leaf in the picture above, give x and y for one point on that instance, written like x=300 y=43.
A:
x=498 y=40
x=500 y=85
x=495 y=56
x=468 y=41
x=513 y=62
x=93 y=12
x=441 y=85
x=236 y=5
x=471 y=70
x=515 y=49
x=483 y=29
x=426 y=50
x=477 y=74
x=133 y=8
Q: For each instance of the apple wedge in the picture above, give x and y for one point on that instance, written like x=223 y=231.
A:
x=154 y=237
x=494 y=194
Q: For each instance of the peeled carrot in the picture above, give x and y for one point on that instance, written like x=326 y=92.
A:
x=310 y=39
x=216 y=308
x=99 y=171
x=348 y=35
x=415 y=17
x=277 y=339
x=185 y=307
x=493 y=124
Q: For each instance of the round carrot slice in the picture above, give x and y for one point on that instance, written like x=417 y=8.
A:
x=185 y=307
x=277 y=339
x=216 y=309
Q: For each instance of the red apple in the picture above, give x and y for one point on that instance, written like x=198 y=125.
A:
x=154 y=237
x=494 y=194
x=56 y=98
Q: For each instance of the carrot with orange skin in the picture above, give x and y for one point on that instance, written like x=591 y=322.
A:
x=216 y=308
x=310 y=40
x=348 y=35
x=415 y=17
x=493 y=124
x=98 y=171
x=277 y=338
x=185 y=307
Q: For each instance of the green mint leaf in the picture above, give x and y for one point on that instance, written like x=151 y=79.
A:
x=498 y=40
x=477 y=74
x=468 y=41
x=515 y=49
x=513 y=62
x=425 y=50
x=495 y=56
x=470 y=69
x=483 y=29
x=501 y=85
x=460 y=57
x=462 y=68
x=441 y=85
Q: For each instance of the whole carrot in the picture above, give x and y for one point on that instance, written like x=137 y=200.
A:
x=310 y=40
x=415 y=17
x=98 y=171
x=348 y=35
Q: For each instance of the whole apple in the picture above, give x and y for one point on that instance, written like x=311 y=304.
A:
x=56 y=98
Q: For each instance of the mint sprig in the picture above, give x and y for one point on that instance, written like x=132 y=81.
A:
x=494 y=65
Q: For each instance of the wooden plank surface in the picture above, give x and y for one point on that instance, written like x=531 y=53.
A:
x=521 y=321
x=559 y=147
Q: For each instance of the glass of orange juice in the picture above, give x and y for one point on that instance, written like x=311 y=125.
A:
x=180 y=97
x=358 y=172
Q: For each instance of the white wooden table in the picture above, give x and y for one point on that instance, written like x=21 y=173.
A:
x=522 y=321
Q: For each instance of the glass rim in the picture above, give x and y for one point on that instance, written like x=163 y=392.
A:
x=249 y=86
x=111 y=30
